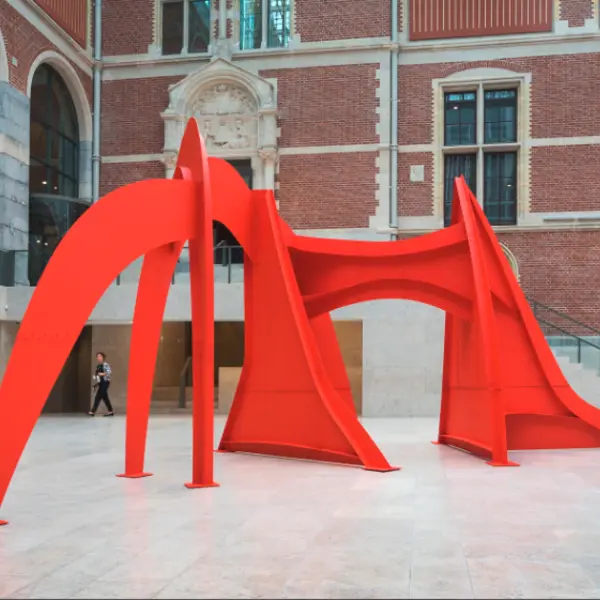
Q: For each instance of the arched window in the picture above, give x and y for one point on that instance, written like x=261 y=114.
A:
x=54 y=143
x=53 y=167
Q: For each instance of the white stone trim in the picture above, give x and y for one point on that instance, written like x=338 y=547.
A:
x=132 y=158
x=339 y=149
x=144 y=67
x=512 y=260
x=383 y=175
x=589 y=140
x=12 y=148
x=4 y=70
x=297 y=151
x=69 y=74
x=460 y=50
x=483 y=78
x=53 y=33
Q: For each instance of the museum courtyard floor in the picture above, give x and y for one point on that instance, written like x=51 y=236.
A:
x=445 y=526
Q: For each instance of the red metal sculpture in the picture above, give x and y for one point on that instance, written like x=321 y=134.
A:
x=502 y=388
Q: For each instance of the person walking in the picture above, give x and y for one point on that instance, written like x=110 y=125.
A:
x=102 y=382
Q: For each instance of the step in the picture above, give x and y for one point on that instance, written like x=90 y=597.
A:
x=165 y=400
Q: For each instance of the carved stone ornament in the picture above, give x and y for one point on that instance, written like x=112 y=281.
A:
x=227 y=117
x=269 y=155
x=169 y=159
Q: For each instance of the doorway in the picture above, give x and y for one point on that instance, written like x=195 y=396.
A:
x=227 y=249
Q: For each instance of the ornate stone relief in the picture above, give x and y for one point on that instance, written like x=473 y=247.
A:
x=236 y=111
x=227 y=116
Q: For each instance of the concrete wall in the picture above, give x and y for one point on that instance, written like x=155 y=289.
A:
x=14 y=175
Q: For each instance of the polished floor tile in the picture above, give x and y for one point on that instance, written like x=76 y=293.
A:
x=445 y=526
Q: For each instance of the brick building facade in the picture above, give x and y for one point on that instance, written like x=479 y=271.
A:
x=357 y=122
x=333 y=102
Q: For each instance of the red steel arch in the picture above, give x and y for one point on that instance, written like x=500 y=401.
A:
x=502 y=388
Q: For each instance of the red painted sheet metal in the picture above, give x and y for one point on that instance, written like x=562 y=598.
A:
x=440 y=19
x=71 y=15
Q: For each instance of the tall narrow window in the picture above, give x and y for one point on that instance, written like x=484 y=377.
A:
x=199 y=26
x=250 y=24
x=172 y=27
x=489 y=164
x=279 y=23
x=53 y=167
x=54 y=136
x=274 y=14
x=185 y=26
x=500 y=187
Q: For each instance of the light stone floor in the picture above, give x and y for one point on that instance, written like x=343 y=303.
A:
x=446 y=526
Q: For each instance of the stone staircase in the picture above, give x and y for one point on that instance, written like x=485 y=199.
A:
x=582 y=377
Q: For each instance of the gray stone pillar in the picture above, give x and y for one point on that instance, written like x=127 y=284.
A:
x=14 y=176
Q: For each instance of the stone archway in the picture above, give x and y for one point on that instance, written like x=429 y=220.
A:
x=236 y=112
x=512 y=260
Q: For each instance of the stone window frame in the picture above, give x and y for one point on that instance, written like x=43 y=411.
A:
x=157 y=33
x=236 y=30
x=481 y=79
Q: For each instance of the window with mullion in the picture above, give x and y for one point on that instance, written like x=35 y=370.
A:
x=172 y=27
x=278 y=34
x=199 y=26
x=500 y=109
x=460 y=119
x=456 y=165
x=500 y=187
x=250 y=24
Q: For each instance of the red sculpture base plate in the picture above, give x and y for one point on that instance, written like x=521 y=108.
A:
x=194 y=486
x=509 y=463
x=135 y=475
x=390 y=470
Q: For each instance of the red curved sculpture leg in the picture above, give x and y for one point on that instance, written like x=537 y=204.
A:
x=202 y=287
x=153 y=290
x=487 y=396
x=62 y=302
x=285 y=404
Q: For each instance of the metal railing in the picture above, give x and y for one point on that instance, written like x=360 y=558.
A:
x=568 y=336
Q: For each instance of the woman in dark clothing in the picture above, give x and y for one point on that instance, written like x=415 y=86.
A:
x=102 y=382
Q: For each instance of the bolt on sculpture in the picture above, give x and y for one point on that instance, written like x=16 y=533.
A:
x=502 y=388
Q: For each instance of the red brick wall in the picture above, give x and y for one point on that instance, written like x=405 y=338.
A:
x=26 y=43
x=561 y=178
x=565 y=95
x=415 y=199
x=560 y=269
x=127 y=27
x=324 y=20
x=114 y=175
x=328 y=190
x=131 y=121
x=325 y=106
x=576 y=11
